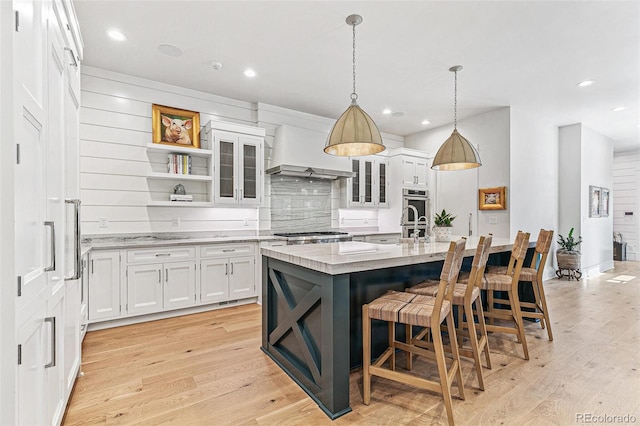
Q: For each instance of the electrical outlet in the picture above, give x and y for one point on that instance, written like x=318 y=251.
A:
x=366 y=220
x=245 y=222
x=102 y=222
x=175 y=222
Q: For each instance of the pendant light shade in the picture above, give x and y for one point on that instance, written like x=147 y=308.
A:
x=355 y=133
x=456 y=153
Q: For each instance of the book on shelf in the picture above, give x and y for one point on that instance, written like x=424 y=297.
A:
x=180 y=197
x=179 y=164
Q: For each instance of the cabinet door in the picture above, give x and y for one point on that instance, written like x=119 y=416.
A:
x=72 y=320
x=54 y=357
x=422 y=172
x=144 y=288
x=179 y=284
x=250 y=170
x=104 y=285
x=84 y=297
x=409 y=171
x=367 y=182
x=226 y=164
x=32 y=406
x=355 y=185
x=382 y=183
x=214 y=280
x=242 y=277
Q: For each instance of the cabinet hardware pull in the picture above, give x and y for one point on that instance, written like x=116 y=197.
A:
x=166 y=276
x=52 y=321
x=227 y=250
x=52 y=246
x=92 y=266
x=162 y=254
x=76 y=238
x=226 y=269
x=232 y=269
x=240 y=194
x=73 y=57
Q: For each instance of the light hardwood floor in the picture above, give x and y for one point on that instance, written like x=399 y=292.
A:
x=208 y=369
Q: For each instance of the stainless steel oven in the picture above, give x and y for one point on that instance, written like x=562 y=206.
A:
x=420 y=200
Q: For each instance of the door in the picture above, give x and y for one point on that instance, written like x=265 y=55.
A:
x=367 y=181
x=72 y=324
x=179 y=284
x=144 y=288
x=54 y=362
x=225 y=169
x=214 y=282
x=242 y=277
x=382 y=183
x=104 y=285
x=250 y=178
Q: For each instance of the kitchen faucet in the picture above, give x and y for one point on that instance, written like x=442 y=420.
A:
x=415 y=234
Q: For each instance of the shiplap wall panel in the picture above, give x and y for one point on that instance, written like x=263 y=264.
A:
x=112 y=135
x=626 y=198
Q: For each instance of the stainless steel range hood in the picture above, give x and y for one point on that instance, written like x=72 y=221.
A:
x=300 y=152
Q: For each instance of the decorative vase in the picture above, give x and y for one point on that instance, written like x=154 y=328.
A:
x=442 y=233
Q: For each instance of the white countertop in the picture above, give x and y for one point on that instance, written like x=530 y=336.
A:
x=351 y=256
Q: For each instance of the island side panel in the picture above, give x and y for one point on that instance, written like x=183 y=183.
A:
x=305 y=330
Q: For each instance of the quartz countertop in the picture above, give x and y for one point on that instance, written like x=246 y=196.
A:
x=352 y=256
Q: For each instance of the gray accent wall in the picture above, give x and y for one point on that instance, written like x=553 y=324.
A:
x=300 y=204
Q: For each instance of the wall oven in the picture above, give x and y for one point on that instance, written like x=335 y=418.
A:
x=420 y=200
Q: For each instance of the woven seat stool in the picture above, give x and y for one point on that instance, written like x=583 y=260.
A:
x=423 y=311
x=534 y=274
x=466 y=296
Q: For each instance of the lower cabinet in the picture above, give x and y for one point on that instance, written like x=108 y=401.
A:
x=104 y=285
x=227 y=278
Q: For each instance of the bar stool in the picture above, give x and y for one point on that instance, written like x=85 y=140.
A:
x=422 y=311
x=465 y=296
x=534 y=275
x=507 y=282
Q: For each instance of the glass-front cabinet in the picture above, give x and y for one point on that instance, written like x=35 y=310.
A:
x=370 y=186
x=237 y=167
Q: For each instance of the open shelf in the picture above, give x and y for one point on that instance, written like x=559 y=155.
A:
x=176 y=176
x=174 y=149
x=179 y=204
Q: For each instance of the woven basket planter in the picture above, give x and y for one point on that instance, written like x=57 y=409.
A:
x=568 y=259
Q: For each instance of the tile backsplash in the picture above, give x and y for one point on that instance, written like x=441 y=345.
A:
x=300 y=204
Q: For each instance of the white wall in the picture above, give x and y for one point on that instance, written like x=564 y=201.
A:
x=457 y=191
x=626 y=199
x=594 y=155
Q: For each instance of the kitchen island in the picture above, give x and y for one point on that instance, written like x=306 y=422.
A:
x=312 y=305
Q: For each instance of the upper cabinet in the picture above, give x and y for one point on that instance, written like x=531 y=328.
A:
x=238 y=164
x=415 y=171
x=370 y=186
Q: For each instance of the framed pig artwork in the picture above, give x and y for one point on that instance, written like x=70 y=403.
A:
x=492 y=198
x=172 y=126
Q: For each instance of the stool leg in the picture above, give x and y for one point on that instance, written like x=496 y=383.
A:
x=473 y=337
x=490 y=304
x=366 y=355
x=517 y=317
x=538 y=302
x=392 y=345
x=545 y=310
x=442 y=371
x=454 y=351
x=483 y=332
x=409 y=334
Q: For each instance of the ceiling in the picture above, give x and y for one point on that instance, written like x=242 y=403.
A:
x=514 y=53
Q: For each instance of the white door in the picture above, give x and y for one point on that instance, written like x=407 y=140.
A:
x=242 y=277
x=179 y=284
x=104 y=285
x=144 y=288
x=457 y=193
x=214 y=281
x=72 y=317
x=54 y=350
x=250 y=170
x=225 y=168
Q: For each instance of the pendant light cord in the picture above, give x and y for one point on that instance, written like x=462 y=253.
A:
x=455 y=101
x=354 y=95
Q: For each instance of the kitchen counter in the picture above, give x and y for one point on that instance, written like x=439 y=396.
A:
x=312 y=305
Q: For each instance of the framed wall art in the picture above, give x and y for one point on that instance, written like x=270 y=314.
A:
x=604 y=202
x=492 y=198
x=172 y=126
x=595 y=193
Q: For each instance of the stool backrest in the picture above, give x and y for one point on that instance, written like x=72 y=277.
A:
x=449 y=275
x=518 y=253
x=479 y=263
x=543 y=245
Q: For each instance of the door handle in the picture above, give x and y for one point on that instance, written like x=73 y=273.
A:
x=76 y=238
x=52 y=321
x=52 y=248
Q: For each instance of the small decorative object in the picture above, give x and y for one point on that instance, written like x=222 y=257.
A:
x=568 y=257
x=442 y=226
x=604 y=202
x=492 y=198
x=179 y=190
x=172 y=126
x=595 y=192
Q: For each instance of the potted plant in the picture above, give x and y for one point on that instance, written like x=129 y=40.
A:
x=567 y=256
x=442 y=226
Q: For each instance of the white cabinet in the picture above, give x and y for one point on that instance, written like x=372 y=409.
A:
x=104 y=285
x=415 y=172
x=238 y=164
x=84 y=297
x=154 y=287
x=227 y=272
x=383 y=238
x=370 y=186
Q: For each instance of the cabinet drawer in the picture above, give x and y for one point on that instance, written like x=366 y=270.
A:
x=216 y=250
x=384 y=239
x=160 y=254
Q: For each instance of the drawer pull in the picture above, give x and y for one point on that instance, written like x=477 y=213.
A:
x=162 y=254
x=228 y=250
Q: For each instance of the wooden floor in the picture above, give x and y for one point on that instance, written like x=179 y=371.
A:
x=208 y=369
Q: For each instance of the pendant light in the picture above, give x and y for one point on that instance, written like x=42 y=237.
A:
x=354 y=133
x=456 y=153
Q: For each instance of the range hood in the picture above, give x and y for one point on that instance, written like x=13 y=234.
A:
x=300 y=152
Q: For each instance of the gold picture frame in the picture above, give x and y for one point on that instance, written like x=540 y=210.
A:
x=177 y=127
x=492 y=198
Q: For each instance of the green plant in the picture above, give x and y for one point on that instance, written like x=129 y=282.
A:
x=569 y=243
x=443 y=219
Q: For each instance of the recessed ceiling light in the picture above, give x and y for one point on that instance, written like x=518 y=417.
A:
x=216 y=65
x=386 y=111
x=116 y=35
x=425 y=122
x=616 y=109
x=170 y=50
x=586 y=83
x=250 y=73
